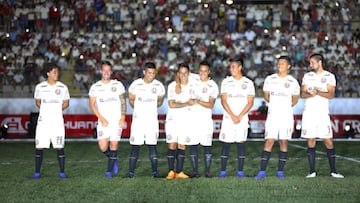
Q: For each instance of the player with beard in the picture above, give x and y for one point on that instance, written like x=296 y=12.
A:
x=107 y=102
x=317 y=88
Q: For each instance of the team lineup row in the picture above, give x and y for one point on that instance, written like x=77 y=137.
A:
x=191 y=98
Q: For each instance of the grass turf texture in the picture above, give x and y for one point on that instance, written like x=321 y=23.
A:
x=85 y=166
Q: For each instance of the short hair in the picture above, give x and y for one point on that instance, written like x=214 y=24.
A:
x=149 y=65
x=183 y=65
x=284 y=57
x=106 y=63
x=317 y=57
x=204 y=63
x=237 y=59
x=47 y=68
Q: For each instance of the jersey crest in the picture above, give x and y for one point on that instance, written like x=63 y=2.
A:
x=153 y=90
x=323 y=80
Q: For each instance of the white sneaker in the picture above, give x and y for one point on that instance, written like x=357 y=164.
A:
x=311 y=175
x=336 y=175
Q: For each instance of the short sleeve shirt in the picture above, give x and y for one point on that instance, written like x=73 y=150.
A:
x=108 y=98
x=237 y=92
x=52 y=98
x=146 y=97
x=321 y=81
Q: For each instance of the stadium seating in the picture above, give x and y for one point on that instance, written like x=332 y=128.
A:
x=78 y=35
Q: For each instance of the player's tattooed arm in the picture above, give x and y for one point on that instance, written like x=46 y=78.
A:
x=174 y=104
x=132 y=99
x=329 y=94
x=123 y=110
x=209 y=104
x=307 y=92
x=160 y=100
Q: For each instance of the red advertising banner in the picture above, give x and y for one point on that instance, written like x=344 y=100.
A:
x=80 y=125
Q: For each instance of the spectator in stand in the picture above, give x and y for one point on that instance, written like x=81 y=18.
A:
x=152 y=21
x=231 y=17
x=262 y=109
x=3 y=75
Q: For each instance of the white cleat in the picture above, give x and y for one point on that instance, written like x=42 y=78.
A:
x=336 y=175
x=311 y=175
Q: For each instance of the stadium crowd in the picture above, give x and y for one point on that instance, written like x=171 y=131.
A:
x=77 y=35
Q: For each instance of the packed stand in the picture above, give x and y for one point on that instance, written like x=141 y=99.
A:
x=78 y=35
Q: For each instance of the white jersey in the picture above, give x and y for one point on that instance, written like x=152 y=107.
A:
x=52 y=98
x=178 y=120
x=187 y=92
x=108 y=99
x=281 y=91
x=146 y=97
x=237 y=93
x=145 y=124
x=50 y=126
x=203 y=125
x=312 y=80
x=203 y=90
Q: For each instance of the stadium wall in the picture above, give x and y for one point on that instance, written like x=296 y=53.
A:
x=19 y=115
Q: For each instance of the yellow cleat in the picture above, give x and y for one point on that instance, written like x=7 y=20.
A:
x=181 y=175
x=171 y=175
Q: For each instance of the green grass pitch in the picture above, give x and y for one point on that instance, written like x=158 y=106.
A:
x=85 y=166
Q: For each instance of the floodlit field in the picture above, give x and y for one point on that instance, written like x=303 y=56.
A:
x=85 y=166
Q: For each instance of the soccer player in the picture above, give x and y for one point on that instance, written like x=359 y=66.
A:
x=51 y=97
x=206 y=92
x=282 y=91
x=145 y=96
x=237 y=97
x=318 y=86
x=177 y=126
x=107 y=102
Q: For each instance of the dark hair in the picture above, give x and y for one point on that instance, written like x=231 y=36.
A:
x=149 y=65
x=285 y=58
x=47 y=68
x=317 y=57
x=106 y=63
x=237 y=59
x=183 y=65
x=204 y=63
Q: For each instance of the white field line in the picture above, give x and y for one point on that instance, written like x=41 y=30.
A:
x=164 y=159
x=324 y=153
